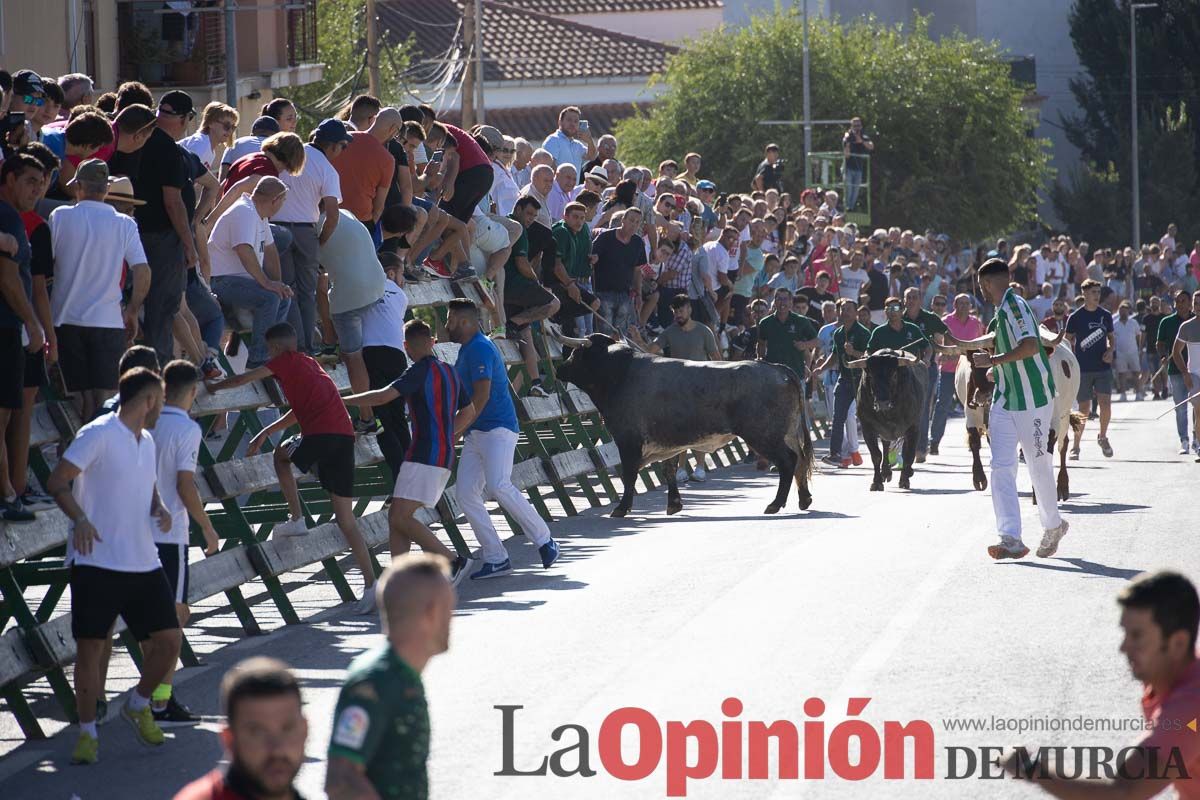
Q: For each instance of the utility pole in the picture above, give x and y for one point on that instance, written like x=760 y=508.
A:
x=479 y=112
x=468 y=83
x=372 y=50
x=231 y=53
x=807 y=108
x=1135 y=181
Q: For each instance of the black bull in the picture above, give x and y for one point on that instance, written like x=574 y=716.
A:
x=657 y=408
x=890 y=394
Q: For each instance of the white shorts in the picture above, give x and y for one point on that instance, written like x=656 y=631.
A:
x=490 y=235
x=1126 y=362
x=421 y=482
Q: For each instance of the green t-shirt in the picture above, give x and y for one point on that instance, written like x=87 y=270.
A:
x=1168 y=329
x=513 y=277
x=885 y=337
x=929 y=323
x=382 y=722
x=782 y=336
x=574 y=250
x=860 y=338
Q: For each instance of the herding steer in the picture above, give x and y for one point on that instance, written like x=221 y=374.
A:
x=656 y=408
x=890 y=392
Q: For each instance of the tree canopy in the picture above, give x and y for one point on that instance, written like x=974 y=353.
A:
x=952 y=144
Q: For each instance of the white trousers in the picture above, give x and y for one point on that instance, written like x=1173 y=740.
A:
x=1029 y=429
x=486 y=464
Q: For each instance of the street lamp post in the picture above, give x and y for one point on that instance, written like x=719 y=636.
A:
x=807 y=109
x=1133 y=122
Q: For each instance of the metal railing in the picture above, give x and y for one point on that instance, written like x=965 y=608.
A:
x=167 y=48
x=828 y=170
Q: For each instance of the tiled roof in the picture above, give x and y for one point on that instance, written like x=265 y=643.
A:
x=561 y=8
x=538 y=122
x=519 y=44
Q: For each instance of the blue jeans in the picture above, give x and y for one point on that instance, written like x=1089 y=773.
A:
x=585 y=325
x=843 y=397
x=1179 y=393
x=299 y=267
x=943 y=406
x=617 y=309
x=926 y=407
x=237 y=291
x=854 y=182
x=206 y=310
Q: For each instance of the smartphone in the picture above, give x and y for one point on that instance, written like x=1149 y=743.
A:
x=583 y=125
x=437 y=156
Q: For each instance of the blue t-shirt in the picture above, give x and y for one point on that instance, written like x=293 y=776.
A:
x=1091 y=329
x=10 y=222
x=434 y=394
x=480 y=359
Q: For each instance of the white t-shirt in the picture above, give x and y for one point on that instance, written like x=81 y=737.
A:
x=91 y=242
x=177 y=440
x=349 y=257
x=200 y=144
x=504 y=193
x=114 y=490
x=717 y=260
x=1167 y=241
x=1125 y=334
x=851 y=282
x=242 y=147
x=317 y=180
x=240 y=224
x=383 y=323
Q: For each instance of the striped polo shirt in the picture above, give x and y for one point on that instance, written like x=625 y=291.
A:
x=434 y=394
x=1026 y=384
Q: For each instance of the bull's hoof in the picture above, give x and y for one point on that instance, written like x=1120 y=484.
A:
x=805 y=501
x=674 y=508
x=904 y=482
x=887 y=476
x=761 y=465
x=772 y=509
x=1064 y=491
x=980 y=483
x=877 y=486
x=619 y=511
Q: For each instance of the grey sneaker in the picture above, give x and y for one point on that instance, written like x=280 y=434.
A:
x=1051 y=538
x=1105 y=447
x=1008 y=548
x=464 y=273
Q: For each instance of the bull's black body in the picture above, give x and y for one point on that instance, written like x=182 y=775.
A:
x=889 y=406
x=656 y=408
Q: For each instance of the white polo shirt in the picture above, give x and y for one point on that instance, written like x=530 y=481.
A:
x=114 y=489
x=91 y=242
x=199 y=144
x=240 y=224
x=177 y=442
x=383 y=323
x=317 y=180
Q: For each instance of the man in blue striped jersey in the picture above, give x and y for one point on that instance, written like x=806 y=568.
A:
x=1022 y=407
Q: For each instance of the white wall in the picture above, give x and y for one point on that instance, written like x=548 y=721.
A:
x=658 y=26
x=565 y=93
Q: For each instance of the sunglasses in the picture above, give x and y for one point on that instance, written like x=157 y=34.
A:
x=506 y=150
x=190 y=115
x=34 y=100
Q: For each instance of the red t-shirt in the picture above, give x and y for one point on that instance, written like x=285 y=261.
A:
x=215 y=786
x=253 y=164
x=312 y=394
x=1170 y=716
x=470 y=154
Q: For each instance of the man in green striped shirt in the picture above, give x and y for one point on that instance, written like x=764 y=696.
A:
x=1022 y=410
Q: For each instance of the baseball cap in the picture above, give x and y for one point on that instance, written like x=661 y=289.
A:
x=27 y=81
x=494 y=137
x=176 y=102
x=332 y=130
x=93 y=171
x=706 y=184
x=265 y=126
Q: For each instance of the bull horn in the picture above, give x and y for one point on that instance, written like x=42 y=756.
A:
x=856 y=363
x=1050 y=338
x=569 y=341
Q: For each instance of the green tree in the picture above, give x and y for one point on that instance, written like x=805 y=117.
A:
x=952 y=143
x=1098 y=196
x=341 y=47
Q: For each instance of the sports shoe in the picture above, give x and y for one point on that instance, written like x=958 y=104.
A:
x=87 y=749
x=174 y=713
x=699 y=475
x=464 y=273
x=366 y=604
x=144 y=725
x=293 y=527
x=857 y=459
x=32 y=500
x=845 y=464
x=12 y=511
x=1008 y=548
x=366 y=427
x=933 y=450
x=1183 y=447
x=537 y=390
x=210 y=369
x=832 y=461
x=681 y=475
x=458 y=570
x=492 y=570
x=549 y=553
x=1074 y=456
x=1195 y=449
x=1050 y=540
x=920 y=458
x=1105 y=447
x=435 y=268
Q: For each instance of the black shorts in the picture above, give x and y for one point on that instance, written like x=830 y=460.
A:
x=35 y=370
x=471 y=186
x=331 y=455
x=99 y=596
x=12 y=369
x=723 y=292
x=523 y=295
x=737 y=305
x=88 y=357
x=568 y=309
x=174 y=560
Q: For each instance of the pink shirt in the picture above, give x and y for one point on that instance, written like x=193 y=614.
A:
x=1170 y=716
x=971 y=329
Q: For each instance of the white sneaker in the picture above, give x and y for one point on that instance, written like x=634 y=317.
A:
x=1050 y=540
x=681 y=475
x=366 y=604
x=293 y=527
x=1183 y=447
x=699 y=475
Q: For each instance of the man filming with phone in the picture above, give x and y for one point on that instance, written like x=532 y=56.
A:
x=856 y=147
x=572 y=142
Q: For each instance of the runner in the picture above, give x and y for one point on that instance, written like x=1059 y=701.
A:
x=1022 y=405
x=1168 y=331
x=1185 y=355
x=380 y=741
x=850 y=341
x=1090 y=331
x=488 y=447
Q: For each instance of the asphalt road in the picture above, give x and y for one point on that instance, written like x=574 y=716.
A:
x=888 y=596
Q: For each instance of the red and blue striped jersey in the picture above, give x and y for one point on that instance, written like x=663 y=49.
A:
x=434 y=394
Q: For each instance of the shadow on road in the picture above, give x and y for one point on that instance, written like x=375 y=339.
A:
x=1081 y=567
x=1099 y=508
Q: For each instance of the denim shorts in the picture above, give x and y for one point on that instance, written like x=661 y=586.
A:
x=349 y=329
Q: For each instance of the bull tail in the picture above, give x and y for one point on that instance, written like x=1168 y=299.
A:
x=799 y=439
x=1077 y=422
